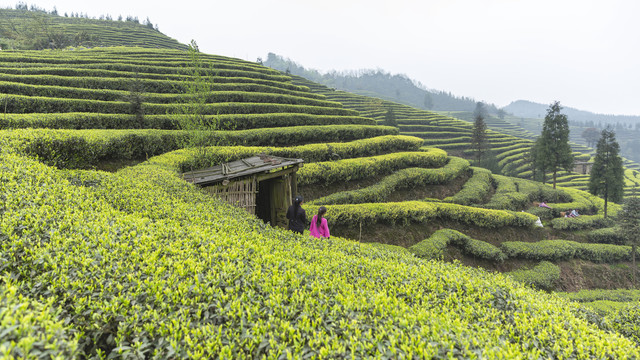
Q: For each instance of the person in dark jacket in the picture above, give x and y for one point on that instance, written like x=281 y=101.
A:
x=297 y=216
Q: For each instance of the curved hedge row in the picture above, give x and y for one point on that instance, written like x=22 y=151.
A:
x=585 y=203
x=402 y=179
x=151 y=85
x=228 y=96
x=127 y=76
x=330 y=172
x=84 y=148
x=435 y=246
x=581 y=222
x=168 y=122
x=145 y=266
x=619 y=295
x=19 y=104
x=407 y=212
x=542 y=276
x=507 y=196
x=185 y=160
x=475 y=190
x=612 y=235
x=554 y=250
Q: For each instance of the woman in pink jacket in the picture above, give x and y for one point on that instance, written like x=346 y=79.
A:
x=319 y=227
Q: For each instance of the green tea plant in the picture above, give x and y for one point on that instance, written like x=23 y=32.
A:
x=542 y=276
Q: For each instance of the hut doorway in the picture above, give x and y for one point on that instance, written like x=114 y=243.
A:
x=263 y=185
x=273 y=199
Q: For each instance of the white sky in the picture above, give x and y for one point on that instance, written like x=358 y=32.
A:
x=583 y=53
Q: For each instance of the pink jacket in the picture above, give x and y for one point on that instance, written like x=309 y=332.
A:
x=319 y=231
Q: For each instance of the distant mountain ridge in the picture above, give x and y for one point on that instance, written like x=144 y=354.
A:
x=380 y=84
x=529 y=109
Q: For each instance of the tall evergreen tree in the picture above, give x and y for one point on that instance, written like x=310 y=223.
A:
x=390 y=118
x=629 y=222
x=607 y=175
x=552 y=150
x=479 y=135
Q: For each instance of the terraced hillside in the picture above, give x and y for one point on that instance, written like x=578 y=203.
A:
x=18 y=28
x=510 y=145
x=140 y=263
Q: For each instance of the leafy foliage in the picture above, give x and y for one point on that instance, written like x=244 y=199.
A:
x=329 y=172
x=542 y=276
x=181 y=266
x=32 y=330
x=402 y=179
x=434 y=247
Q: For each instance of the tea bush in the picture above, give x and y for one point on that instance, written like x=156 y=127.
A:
x=581 y=222
x=32 y=330
x=145 y=266
x=330 y=172
x=555 y=250
x=417 y=211
x=542 y=276
x=435 y=246
x=612 y=235
x=186 y=159
x=168 y=122
x=475 y=190
x=402 y=179
x=84 y=148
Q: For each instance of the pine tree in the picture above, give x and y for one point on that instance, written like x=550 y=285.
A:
x=192 y=115
x=552 y=151
x=629 y=222
x=607 y=174
x=136 y=99
x=390 y=118
x=479 y=135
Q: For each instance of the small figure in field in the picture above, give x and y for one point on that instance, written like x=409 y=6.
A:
x=319 y=227
x=574 y=213
x=297 y=216
x=544 y=205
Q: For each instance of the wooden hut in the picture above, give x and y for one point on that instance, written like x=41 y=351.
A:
x=583 y=167
x=262 y=185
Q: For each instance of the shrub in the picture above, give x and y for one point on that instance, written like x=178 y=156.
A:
x=618 y=295
x=330 y=172
x=555 y=250
x=626 y=321
x=543 y=276
x=402 y=179
x=475 y=190
x=581 y=222
x=186 y=160
x=84 y=148
x=417 y=211
x=168 y=122
x=610 y=235
x=145 y=265
x=31 y=330
x=552 y=250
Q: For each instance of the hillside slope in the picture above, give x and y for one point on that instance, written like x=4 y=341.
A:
x=144 y=264
x=22 y=29
x=509 y=143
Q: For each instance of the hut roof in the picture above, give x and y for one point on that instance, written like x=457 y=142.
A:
x=258 y=164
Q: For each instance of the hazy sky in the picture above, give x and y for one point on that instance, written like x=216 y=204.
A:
x=583 y=53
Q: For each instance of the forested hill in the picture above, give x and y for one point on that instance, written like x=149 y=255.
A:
x=380 y=84
x=36 y=29
x=528 y=109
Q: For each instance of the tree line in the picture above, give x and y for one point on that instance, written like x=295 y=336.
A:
x=394 y=87
x=38 y=30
